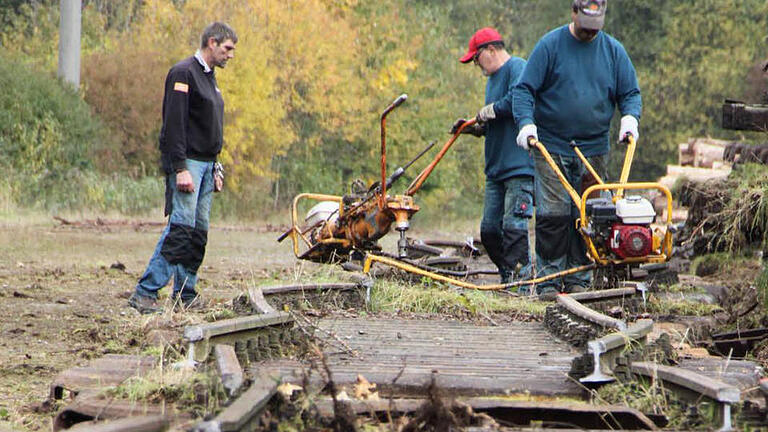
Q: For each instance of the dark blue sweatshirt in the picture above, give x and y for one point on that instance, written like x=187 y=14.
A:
x=504 y=159
x=570 y=90
x=193 y=116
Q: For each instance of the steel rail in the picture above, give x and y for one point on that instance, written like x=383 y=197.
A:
x=203 y=336
x=591 y=315
x=605 y=350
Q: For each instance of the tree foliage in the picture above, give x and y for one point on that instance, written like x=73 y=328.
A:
x=310 y=79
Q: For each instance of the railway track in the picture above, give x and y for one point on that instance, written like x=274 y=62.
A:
x=402 y=357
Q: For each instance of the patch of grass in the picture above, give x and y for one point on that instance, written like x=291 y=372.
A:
x=436 y=298
x=649 y=398
x=303 y=272
x=761 y=285
x=220 y=314
x=733 y=212
x=708 y=264
x=191 y=391
x=680 y=307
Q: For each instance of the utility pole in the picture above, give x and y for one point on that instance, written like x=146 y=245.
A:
x=69 y=42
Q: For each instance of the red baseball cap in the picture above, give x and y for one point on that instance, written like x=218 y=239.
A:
x=481 y=38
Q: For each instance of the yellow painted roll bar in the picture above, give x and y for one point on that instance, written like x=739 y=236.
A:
x=571 y=191
x=370 y=258
x=627 y=165
x=295 y=231
x=580 y=201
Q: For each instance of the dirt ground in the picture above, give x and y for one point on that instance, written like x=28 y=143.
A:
x=64 y=291
x=62 y=302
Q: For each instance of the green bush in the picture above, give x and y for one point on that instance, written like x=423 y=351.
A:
x=48 y=136
x=43 y=125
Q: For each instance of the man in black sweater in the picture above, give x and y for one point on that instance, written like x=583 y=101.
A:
x=190 y=141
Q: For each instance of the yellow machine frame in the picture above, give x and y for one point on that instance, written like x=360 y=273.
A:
x=663 y=247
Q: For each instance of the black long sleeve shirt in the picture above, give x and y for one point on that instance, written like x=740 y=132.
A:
x=193 y=116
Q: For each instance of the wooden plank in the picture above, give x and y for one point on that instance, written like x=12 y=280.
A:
x=284 y=289
x=229 y=368
x=90 y=405
x=740 y=116
x=155 y=423
x=469 y=359
x=109 y=370
x=245 y=408
x=695 y=173
x=707 y=151
x=519 y=412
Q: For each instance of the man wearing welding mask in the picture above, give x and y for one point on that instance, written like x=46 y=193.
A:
x=508 y=203
x=575 y=79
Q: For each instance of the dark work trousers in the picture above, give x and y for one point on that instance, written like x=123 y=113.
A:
x=507 y=209
x=559 y=246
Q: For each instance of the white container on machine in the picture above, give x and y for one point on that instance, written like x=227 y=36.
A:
x=635 y=210
x=322 y=211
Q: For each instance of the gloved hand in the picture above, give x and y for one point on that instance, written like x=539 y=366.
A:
x=486 y=113
x=526 y=131
x=475 y=130
x=628 y=126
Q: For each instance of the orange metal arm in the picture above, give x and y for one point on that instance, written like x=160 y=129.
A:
x=627 y=165
x=422 y=177
x=396 y=103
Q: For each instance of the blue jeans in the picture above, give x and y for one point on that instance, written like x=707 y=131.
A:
x=181 y=247
x=507 y=209
x=559 y=246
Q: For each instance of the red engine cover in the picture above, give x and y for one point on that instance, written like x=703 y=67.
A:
x=631 y=241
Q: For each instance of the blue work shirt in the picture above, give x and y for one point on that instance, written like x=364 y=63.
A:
x=570 y=90
x=504 y=159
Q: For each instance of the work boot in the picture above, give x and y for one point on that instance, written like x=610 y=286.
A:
x=144 y=304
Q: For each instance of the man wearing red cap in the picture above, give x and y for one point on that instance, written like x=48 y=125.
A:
x=508 y=204
x=575 y=79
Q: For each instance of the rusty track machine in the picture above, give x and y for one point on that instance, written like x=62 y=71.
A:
x=616 y=229
x=340 y=225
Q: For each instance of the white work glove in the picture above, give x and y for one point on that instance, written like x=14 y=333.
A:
x=526 y=131
x=486 y=113
x=628 y=125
